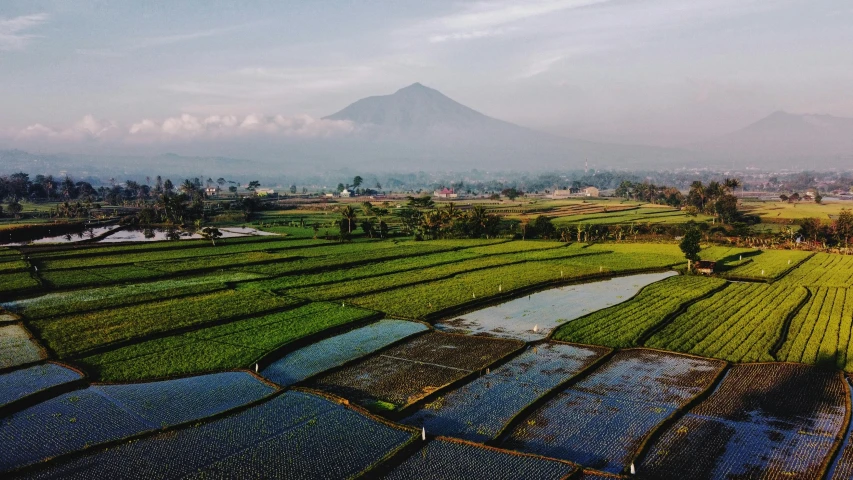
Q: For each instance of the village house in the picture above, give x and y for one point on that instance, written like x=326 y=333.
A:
x=346 y=193
x=445 y=193
x=211 y=191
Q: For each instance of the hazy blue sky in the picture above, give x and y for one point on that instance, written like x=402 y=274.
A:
x=647 y=71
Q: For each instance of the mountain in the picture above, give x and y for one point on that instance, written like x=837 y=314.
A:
x=418 y=127
x=802 y=140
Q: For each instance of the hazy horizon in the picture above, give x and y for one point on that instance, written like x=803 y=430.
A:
x=143 y=77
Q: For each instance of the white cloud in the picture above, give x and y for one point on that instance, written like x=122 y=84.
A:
x=215 y=126
x=87 y=128
x=13 y=34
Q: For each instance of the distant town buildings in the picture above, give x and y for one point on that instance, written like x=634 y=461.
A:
x=588 y=191
x=445 y=193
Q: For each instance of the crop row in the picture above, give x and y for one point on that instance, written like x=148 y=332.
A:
x=601 y=421
x=109 y=258
x=424 y=299
x=82 y=418
x=769 y=264
x=763 y=421
x=232 y=345
x=622 y=325
x=31 y=380
x=11 y=282
x=823 y=270
x=358 y=287
x=479 y=410
x=16 y=346
x=451 y=458
x=820 y=332
x=335 y=351
x=77 y=333
x=742 y=323
x=406 y=373
x=296 y=435
x=65 y=303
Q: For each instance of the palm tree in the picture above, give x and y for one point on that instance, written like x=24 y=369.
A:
x=187 y=187
x=348 y=213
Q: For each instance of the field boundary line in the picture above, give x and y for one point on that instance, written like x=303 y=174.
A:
x=531 y=407
x=306 y=381
x=282 y=350
x=651 y=331
x=677 y=414
x=29 y=470
x=115 y=345
x=40 y=396
x=405 y=411
x=838 y=444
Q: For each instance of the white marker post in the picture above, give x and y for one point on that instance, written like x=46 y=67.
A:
x=423 y=433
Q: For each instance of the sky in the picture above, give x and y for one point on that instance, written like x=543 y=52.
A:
x=80 y=74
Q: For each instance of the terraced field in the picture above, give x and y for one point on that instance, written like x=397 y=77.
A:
x=248 y=360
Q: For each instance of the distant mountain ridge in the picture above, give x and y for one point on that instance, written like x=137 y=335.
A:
x=787 y=136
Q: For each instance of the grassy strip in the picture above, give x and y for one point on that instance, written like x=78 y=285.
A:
x=74 y=334
x=232 y=345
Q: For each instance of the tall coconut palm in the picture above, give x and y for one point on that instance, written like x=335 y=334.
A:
x=348 y=214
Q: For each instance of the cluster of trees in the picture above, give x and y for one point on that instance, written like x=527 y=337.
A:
x=651 y=193
x=354 y=187
x=714 y=198
x=835 y=234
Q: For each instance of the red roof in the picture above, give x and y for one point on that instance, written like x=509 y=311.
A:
x=446 y=190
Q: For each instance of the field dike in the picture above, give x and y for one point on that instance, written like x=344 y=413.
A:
x=46 y=394
x=786 y=325
x=189 y=328
x=29 y=470
x=547 y=396
x=404 y=412
x=676 y=415
x=641 y=340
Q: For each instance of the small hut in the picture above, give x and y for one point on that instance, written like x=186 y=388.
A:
x=705 y=267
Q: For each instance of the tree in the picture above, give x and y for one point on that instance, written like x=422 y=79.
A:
x=818 y=198
x=349 y=216
x=357 y=181
x=783 y=197
x=511 y=193
x=211 y=233
x=293 y=189
x=690 y=244
x=843 y=227
x=14 y=208
x=544 y=228
x=232 y=189
x=253 y=185
x=168 y=186
x=340 y=188
x=367 y=226
x=221 y=182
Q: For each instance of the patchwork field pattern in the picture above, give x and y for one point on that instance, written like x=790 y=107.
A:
x=24 y=382
x=333 y=352
x=601 y=421
x=479 y=410
x=447 y=458
x=83 y=418
x=742 y=323
x=764 y=421
x=624 y=324
x=296 y=435
x=410 y=371
x=820 y=333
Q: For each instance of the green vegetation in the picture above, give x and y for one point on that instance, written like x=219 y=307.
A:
x=73 y=334
x=820 y=333
x=742 y=323
x=624 y=324
x=232 y=345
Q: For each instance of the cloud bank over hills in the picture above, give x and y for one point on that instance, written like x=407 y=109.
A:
x=419 y=128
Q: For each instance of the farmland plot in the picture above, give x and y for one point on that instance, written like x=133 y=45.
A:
x=296 y=435
x=820 y=332
x=232 y=345
x=622 y=325
x=545 y=310
x=773 y=421
x=741 y=323
x=479 y=410
x=98 y=414
x=13 y=282
x=17 y=347
x=332 y=352
x=77 y=333
x=450 y=458
x=601 y=421
x=24 y=382
x=768 y=265
x=843 y=466
x=823 y=270
x=406 y=373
